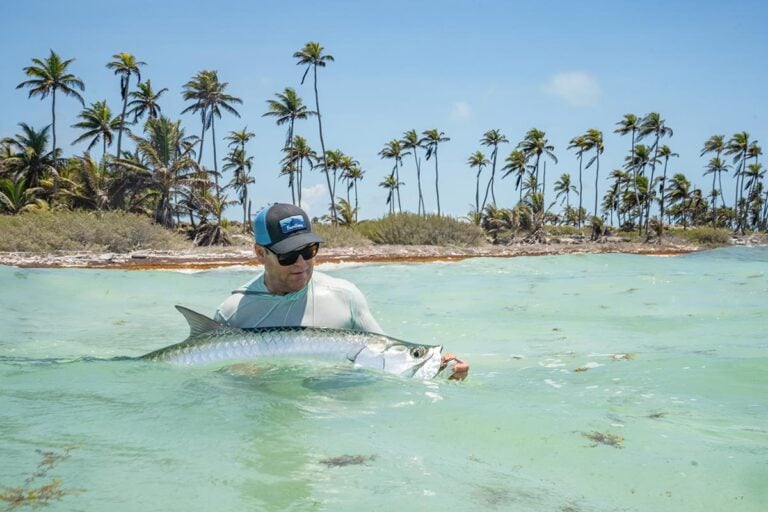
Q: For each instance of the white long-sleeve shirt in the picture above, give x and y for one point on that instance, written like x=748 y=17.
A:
x=324 y=302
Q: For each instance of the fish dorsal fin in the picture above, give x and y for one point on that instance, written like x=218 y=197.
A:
x=198 y=323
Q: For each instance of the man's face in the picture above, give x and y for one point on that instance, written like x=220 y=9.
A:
x=281 y=279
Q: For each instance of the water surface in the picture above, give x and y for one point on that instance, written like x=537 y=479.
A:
x=598 y=383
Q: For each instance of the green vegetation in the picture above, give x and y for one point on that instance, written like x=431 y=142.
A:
x=341 y=236
x=156 y=173
x=47 y=231
x=412 y=229
x=706 y=236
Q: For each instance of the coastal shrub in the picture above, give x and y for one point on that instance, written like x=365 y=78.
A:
x=412 y=229
x=47 y=231
x=704 y=235
x=340 y=236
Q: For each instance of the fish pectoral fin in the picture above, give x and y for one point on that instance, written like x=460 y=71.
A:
x=198 y=323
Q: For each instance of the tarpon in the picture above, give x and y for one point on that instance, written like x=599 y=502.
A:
x=211 y=342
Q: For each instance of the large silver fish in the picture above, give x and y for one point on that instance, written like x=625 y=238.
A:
x=212 y=342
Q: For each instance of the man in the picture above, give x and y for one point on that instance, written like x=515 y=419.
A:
x=290 y=292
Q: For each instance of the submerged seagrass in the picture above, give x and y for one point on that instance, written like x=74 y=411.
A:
x=211 y=342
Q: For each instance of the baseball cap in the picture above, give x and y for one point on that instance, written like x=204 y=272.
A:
x=283 y=228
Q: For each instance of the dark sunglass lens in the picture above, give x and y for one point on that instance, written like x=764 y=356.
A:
x=290 y=258
x=309 y=251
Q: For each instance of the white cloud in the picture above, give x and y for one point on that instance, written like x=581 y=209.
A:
x=460 y=111
x=314 y=200
x=577 y=88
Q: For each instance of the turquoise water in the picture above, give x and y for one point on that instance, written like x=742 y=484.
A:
x=672 y=353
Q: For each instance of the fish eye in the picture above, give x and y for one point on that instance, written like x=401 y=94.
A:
x=418 y=352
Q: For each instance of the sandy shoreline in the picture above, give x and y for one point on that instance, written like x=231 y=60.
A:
x=221 y=257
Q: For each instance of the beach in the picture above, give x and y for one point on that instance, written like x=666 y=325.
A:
x=211 y=257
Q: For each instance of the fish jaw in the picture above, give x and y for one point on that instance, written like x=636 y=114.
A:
x=431 y=365
x=401 y=358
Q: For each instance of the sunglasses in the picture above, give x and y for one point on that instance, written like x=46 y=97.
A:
x=308 y=252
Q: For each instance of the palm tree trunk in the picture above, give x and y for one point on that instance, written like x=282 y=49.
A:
x=477 y=191
x=661 y=205
x=437 y=188
x=714 y=200
x=597 y=175
x=215 y=164
x=122 y=118
x=322 y=147
x=245 y=204
x=581 y=192
x=355 y=200
x=420 y=208
x=650 y=185
x=493 y=175
x=53 y=120
x=397 y=180
x=202 y=138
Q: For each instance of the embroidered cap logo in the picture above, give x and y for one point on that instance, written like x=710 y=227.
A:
x=291 y=224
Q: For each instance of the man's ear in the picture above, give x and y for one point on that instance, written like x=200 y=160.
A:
x=261 y=253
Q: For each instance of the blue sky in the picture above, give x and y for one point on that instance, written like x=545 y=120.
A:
x=463 y=67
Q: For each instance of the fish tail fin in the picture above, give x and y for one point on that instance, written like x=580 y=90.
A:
x=198 y=323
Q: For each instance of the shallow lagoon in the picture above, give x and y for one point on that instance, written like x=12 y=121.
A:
x=598 y=383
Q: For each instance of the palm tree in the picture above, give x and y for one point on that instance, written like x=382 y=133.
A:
x=612 y=197
x=680 y=196
x=516 y=163
x=535 y=145
x=580 y=144
x=347 y=215
x=594 y=140
x=125 y=65
x=91 y=185
x=715 y=144
x=630 y=124
x=411 y=142
x=753 y=176
x=493 y=138
x=637 y=162
x=394 y=150
x=210 y=98
x=15 y=197
x=298 y=154
x=287 y=108
x=477 y=159
x=348 y=165
x=99 y=124
x=30 y=161
x=738 y=146
x=654 y=125
x=168 y=161
x=716 y=167
x=432 y=139
x=312 y=56
x=241 y=164
x=665 y=153
x=353 y=175
x=391 y=184
x=333 y=160
x=46 y=77
x=563 y=187
x=239 y=138
x=145 y=101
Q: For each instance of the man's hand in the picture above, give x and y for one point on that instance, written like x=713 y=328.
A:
x=460 y=368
